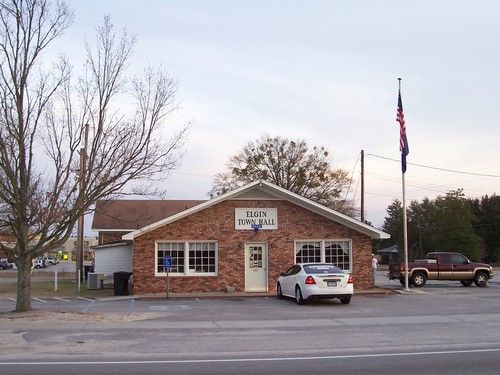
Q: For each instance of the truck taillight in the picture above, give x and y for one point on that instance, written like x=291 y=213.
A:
x=310 y=280
x=351 y=280
x=401 y=267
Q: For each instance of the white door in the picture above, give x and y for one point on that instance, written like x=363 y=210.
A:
x=256 y=267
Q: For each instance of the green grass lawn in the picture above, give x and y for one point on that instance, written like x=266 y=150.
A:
x=66 y=287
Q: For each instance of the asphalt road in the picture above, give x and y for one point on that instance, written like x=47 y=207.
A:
x=443 y=328
x=409 y=363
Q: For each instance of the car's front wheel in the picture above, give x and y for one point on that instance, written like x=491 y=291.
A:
x=481 y=279
x=298 y=296
x=279 y=292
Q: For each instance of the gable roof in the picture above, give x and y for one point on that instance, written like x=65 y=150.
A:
x=389 y=250
x=129 y=215
x=261 y=189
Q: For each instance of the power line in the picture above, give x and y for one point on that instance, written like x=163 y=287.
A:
x=437 y=168
x=418 y=185
x=351 y=179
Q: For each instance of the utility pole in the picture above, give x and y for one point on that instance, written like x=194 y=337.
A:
x=80 y=231
x=362 y=186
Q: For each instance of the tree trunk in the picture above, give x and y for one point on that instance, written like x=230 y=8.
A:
x=23 y=285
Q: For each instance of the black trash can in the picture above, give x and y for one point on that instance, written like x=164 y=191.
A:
x=121 y=283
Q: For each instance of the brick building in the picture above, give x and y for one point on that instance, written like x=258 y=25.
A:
x=241 y=240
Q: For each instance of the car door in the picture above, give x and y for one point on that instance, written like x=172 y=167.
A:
x=289 y=280
x=461 y=268
x=445 y=267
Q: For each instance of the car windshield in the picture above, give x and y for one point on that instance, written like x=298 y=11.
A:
x=321 y=268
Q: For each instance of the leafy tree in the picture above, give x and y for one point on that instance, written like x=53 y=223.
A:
x=291 y=165
x=419 y=241
x=393 y=224
x=44 y=139
x=443 y=224
x=487 y=225
x=451 y=225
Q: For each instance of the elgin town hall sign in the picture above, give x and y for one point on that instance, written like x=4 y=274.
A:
x=256 y=218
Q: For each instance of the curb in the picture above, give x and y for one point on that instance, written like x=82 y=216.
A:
x=157 y=296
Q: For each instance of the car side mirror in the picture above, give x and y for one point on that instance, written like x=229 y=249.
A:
x=282 y=274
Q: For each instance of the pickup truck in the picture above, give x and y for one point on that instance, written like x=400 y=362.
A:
x=442 y=266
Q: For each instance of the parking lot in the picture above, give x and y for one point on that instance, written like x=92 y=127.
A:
x=442 y=318
x=203 y=307
x=267 y=306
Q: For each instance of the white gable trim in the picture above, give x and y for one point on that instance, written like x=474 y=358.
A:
x=274 y=190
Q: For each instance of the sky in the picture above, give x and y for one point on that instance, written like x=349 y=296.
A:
x=325 y=72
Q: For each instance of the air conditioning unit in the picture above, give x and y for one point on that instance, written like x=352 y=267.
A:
x=95 y=280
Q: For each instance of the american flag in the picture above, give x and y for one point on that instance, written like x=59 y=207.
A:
x=403 y=141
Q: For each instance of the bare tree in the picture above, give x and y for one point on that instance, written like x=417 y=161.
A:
x=47 y=122
x=291 y=165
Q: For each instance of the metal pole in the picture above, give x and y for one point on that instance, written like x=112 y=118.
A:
x=167 y=282
x=405 y=224
x=79 y=235
x=405 y=235
x=80 y=231
x=362 y=186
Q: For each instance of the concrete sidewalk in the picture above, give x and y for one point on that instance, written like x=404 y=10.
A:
x=375 y=290
x=222 y=295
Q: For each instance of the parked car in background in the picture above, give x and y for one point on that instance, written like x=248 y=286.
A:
x=4 y=264
x=52 y=260
x=46 y=261
x=40 y=263
x=442 y=266
x=305 y=281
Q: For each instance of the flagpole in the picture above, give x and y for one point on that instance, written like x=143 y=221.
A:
x=405 y=225
x=405 y=234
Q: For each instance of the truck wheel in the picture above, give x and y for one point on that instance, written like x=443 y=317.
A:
x=466 y=282
x=402 y=281
x=418 y=279
x=481 y=279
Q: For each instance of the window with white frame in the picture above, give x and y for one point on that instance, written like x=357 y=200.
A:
x=188 y=258
x=173 y=249
x=202 y=257
x=308 y=252
x=337 y=252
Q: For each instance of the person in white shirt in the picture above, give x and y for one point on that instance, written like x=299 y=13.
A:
x=375 y=267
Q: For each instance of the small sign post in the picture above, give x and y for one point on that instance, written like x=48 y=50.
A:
x=167 y=264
